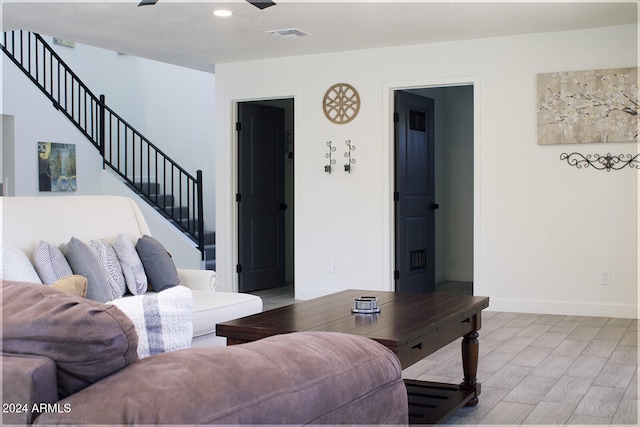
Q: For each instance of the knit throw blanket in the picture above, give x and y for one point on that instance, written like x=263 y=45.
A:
x=163 y=320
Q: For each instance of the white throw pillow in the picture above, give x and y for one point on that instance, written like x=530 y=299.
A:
x=16 y=266
x=132 y=268
x=50 y=263
x=111 y=266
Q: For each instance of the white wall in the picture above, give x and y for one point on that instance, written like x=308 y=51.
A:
x=35 y=120
x=7 y=148
x=543 y=231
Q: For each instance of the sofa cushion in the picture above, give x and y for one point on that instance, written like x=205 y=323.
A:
x=211 y=308
x=111 y=266
x=83 y=261
x=132 y=268
x=87 y=340
x=75 y=285
x=163 y=320
x=50 y=264
x=26 y=380
x=16 y=266
x=298 y=378
x=157 y=263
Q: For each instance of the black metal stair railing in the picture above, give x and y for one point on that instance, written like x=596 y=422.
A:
x=143 y=166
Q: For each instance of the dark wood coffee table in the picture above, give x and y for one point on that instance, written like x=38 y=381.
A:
x=411 y=325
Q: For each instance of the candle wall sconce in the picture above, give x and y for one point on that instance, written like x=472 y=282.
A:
x=347 y=166
x=332 y=161
x=599 y=162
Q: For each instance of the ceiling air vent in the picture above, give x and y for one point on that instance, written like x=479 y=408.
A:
x=288 y=33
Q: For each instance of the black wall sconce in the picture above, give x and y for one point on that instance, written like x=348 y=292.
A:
x=599 y=162
x=347 y=166
x=327 y=168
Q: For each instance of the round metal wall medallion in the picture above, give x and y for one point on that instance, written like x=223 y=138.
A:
x=341 y=103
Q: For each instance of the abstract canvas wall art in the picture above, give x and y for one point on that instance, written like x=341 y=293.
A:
x=588 y=106
x=56 y=166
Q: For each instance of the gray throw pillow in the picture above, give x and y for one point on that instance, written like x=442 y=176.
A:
x=84 y=261
x=132 y=268
x=50 y=263
x=111 y=266
x=157 y=263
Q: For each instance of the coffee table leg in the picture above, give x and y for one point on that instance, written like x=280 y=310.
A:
x=470 y=351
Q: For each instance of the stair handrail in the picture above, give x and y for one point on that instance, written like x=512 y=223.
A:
x=94 y=119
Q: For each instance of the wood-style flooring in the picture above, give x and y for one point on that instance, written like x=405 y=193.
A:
x=537 y=369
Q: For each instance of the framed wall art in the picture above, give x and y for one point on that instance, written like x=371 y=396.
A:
x=579 y=107
x=56 y=166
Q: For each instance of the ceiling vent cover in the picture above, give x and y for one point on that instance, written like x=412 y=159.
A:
x=288 y=33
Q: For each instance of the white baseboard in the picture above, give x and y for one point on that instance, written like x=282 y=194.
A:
x=627 y=311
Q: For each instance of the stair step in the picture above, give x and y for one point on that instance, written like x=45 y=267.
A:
x=210 y=252
x=165 y=200
x=210 y=238
x=148 y=187
x=177 y=211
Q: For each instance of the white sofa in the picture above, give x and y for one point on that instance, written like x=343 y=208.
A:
x=56 y=219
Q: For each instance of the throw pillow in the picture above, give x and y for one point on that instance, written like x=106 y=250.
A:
x=132 y=268
x=111 y=266
x=158 y=265
x=50 y=263
x=163 y=321
x=87 y=341
x=16 y=266
x=83 y=261
x=72 y=285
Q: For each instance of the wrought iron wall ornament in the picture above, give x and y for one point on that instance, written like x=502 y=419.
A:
x=341 y=103
x=599 y=162
x=327 y=168
x=347 y=166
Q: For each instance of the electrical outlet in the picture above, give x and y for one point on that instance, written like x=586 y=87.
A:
x=333 y=267
x=605 y=278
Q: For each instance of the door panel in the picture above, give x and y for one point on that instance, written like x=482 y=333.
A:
x=261 y=219
x=414 y=182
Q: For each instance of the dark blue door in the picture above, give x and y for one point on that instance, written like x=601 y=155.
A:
x=261 y=197
x=414 y=194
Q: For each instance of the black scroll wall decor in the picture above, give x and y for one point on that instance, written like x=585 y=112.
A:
x=350 y=161
x=328 y=155
x=599 y=162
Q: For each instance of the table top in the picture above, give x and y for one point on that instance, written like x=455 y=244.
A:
x=402 y=318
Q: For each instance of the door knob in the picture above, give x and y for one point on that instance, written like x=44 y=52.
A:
x=434 y=206
x=283 y=206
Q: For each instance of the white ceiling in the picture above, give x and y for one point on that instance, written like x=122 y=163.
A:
x=187 y=33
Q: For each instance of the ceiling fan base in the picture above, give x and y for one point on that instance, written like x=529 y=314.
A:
x=147 y=3
x=262 y=4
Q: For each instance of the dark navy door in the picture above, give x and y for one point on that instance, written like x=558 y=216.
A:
x=260 y=197
x=414 y=193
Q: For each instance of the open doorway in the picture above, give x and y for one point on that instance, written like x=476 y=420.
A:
x=451 y=265
x=265 y=195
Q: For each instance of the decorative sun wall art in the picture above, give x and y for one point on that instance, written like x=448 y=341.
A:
x=588 y=106
x=56 y=166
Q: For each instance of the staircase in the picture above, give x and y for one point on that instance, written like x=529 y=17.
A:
x=166 y=206
x=147 y=170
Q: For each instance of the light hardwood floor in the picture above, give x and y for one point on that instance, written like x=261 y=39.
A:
x=545 y=369
x=538 y=369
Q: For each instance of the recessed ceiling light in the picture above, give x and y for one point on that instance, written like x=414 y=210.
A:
x=223 y=13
